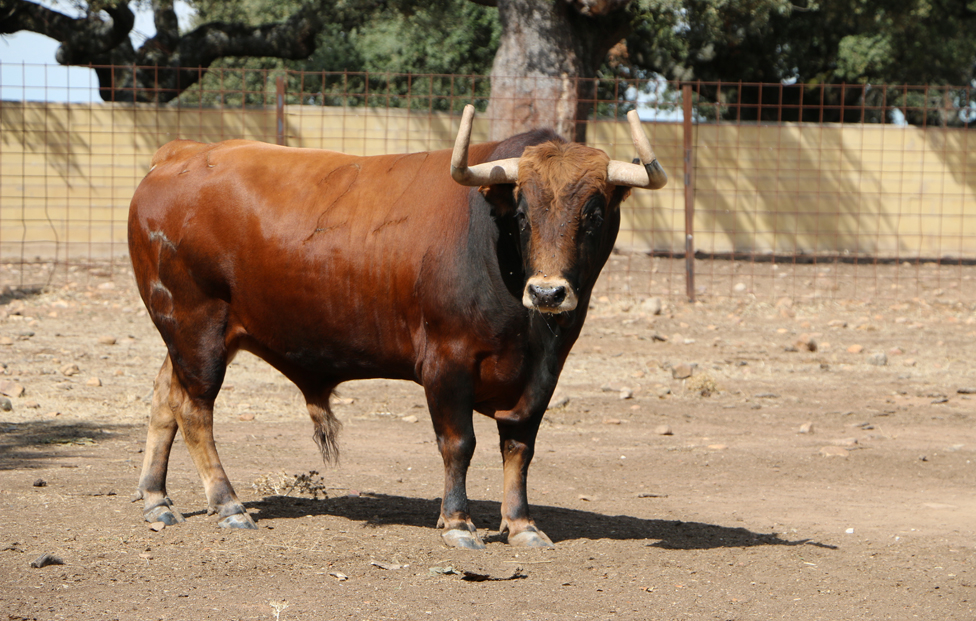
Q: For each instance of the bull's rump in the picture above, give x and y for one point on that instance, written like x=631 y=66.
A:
x=318 y=258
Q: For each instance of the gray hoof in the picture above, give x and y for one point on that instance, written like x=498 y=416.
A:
x=165 y=514
x=464 y=539
x=531 y=539
x=238 y=520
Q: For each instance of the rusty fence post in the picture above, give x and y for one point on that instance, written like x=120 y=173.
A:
x=689 y=195
x=280 y=109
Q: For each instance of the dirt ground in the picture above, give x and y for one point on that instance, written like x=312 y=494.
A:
x=828 y=484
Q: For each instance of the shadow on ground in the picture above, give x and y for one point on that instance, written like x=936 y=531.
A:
x=31 y=445
x=561 y=524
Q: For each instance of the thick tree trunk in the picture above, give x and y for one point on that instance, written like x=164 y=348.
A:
x=544 y=74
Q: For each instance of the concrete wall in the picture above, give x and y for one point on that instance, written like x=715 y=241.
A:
x=67 y=173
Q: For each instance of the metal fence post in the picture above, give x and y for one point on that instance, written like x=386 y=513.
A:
x=689 y=195
x=280 y=109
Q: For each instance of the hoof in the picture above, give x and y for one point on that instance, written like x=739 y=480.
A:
x=165 y=514
x=531 y=539
x=464 y=539
x=238 y=520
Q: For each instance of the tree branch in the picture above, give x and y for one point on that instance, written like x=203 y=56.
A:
x=82 y=39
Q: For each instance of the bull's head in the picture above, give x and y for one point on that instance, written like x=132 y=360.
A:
x=566 y=195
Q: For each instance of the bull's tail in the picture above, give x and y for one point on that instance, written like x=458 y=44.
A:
x=326 y=431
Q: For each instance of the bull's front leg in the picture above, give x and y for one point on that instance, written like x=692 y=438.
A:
x=517 y=440
x=451 y=413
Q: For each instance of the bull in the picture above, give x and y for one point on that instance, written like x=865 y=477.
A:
x=334 y=267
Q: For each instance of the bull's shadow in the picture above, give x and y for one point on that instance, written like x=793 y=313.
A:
x=561 y=524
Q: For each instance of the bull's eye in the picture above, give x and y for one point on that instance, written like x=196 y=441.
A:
x=592 y=216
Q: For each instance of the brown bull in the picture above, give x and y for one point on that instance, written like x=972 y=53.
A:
x=333 y=267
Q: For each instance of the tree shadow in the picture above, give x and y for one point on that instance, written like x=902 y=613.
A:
x=561 y=524
x=30 y=445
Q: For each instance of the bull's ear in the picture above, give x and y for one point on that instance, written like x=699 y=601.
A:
x=620 y=194
x=501 y=197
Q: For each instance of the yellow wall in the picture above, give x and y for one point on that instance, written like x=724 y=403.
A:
x=67 y=173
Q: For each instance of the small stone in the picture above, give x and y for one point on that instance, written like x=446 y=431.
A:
x=345 y=401
x=410 y=419
x=652 y=306
x=5 y=404
x=93 y=381
x=909 y=362
x=70 y=369
x=967 y=391
x=157 y=526
x=626 y=393
x=834 y=451
x=766 y=395
x=44 y=560
x=611 y=421
x=614 y=387
x=717 y=447
x=805 y=342
x=107 y=286
x=806 y=428
x=739 y=287
x=682 y=371
x=6 y=340
x=40 y=483
x=246 y=417
x=662 y=391
x=32 y=404
x=837 y=323
x=106 y=340
x=878 y=360
x=896 y=351
x=663 y=430
x=845 y=442
x=558 y=402
x=855 y=349
x=11 y=389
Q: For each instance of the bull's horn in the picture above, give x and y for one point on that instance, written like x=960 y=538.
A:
x=651 y=175
x=499 y=171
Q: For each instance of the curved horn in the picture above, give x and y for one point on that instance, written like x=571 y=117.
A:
x=651 y=175
x=488 y=173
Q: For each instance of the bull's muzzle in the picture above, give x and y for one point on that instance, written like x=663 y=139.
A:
x=549 y=295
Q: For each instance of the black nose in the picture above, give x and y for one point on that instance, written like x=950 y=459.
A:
x=547 y=297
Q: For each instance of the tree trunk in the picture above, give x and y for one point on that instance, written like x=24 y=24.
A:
x=544 y=74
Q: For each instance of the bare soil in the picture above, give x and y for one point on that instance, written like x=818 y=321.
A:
x=869 y=514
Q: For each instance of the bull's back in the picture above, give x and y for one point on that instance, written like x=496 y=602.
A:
x=317 y=255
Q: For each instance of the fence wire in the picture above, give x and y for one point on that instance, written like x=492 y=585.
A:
x=825 y=192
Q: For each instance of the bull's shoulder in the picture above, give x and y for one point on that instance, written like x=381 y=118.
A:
x=177 y=150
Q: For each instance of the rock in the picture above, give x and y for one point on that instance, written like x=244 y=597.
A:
x=40 y=483
x=855 y=349
x=837 y=323
x=93 y=381
x=558 y=402
x=32 y=404
x=344 y=401
x=652 y=306
x=765 y=395
x=845 y=442
x=44 y=560
x=896 y=351
x=6 y=340
x=878 y=360
x=663 y=430
x=805 y=342
x=6 y=405
x=410 y=419
x=106 y=340
x=967 y=391
x=157 y=526
x=626 y=393
x=70 y=369
x=739 y=287
x=682 y=371
x=717 y=447
x=614 y=387
x=11 y=389
x=246 y=417
x=909 y=362
x=611 y=421
x=833 y=451
x=662 y=391
x=806 y=428
x=107 y=286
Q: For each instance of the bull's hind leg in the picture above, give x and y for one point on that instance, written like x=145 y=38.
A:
x=157 y=506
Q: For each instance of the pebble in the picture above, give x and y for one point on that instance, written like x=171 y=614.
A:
x=32 y=404
x=845 y=442
x=878 y=360
x=11 y=389
x=806 y=428
x=40 y=483
x=834 y=451
x=967 y=391
x=246 y=417
x=6 y=405
x=6 y=340
x=70 y=369
x=662 y=391
x=106 y=340
x=805 y=342
x=682 y=371
x=855 y=349
x=717 y=447
x=663 y=430
x=765 y=395
x=626 y=393
x=93 y=381
x=652 y=306
x=837 y=323
x=559 y=402
x=157 y=526
x=739 y=287
x=46 y=559
x=410 y=419
x=107 y=286
x=611 y=421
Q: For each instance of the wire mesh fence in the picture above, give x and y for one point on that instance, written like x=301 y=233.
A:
x=825 y=192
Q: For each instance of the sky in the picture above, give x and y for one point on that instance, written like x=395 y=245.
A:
x=28 y=71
